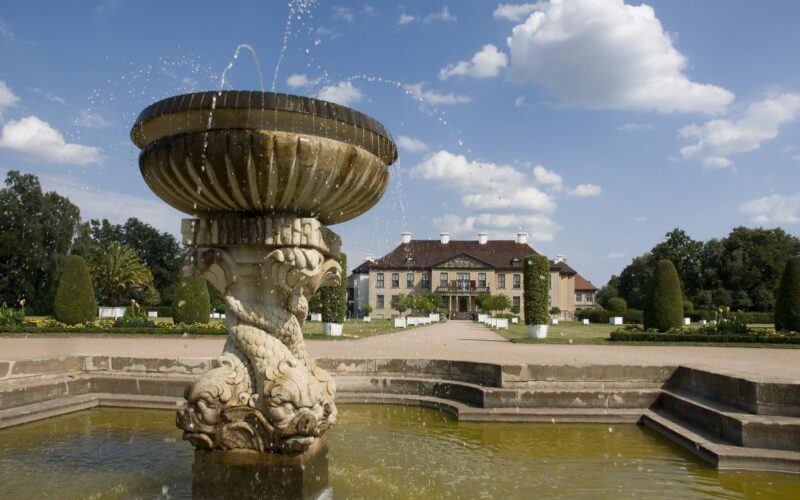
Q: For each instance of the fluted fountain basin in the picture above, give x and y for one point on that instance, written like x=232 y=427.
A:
x=263 y=153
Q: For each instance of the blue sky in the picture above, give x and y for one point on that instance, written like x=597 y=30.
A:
x=595 y=125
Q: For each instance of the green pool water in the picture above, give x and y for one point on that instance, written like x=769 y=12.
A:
x=378 y=452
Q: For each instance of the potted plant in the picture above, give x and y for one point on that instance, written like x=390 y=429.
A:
x=366 y=309
x=536 y=294
x=334 y=303
x=401 y=303
x=554 y=313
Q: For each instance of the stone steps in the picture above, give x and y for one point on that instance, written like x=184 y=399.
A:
x=716 y=451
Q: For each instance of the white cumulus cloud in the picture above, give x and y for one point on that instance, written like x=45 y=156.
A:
x=774 y=209
x=405 y=19
x=434 y=98
x=299 y=80
x=36 y=140
x=484 y=64
x=443 y=15
x=411 y=144
x=515 y=12
x=544 y=176
x=606 y=54
x=343 y=93
x=7 y=97
x=718 y=139
x=540 y=227
x=585 y=191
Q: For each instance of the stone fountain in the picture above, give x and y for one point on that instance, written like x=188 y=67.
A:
x=263 y=174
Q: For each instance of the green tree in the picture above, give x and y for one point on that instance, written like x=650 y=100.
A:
x=664 y=304
x=609 y=291
x=192 y=303
x=617 y=306
x=116 y=271
x=686 y=254
x=787 y=301
x=36 y=232
x=401 y=303
x=366 y=309
x=334 y=298
x=159 y=251
x=536 y=289
x=633 y=280
x=75 y=302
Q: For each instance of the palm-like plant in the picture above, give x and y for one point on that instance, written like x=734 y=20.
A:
x=117 y=270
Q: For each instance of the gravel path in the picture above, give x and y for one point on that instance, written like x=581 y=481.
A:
x=454 y=340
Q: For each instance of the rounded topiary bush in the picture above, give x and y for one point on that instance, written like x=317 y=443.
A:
x=75 y=301
x=787 y=298
x=617 y=306
x=536 y=290
x=663 y=308
x=191 y=302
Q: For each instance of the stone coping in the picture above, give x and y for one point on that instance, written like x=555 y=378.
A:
x=35 y=389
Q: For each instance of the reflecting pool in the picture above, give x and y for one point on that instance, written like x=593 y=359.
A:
x=378 y=452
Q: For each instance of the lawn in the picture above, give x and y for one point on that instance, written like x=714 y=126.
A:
x=353 y=329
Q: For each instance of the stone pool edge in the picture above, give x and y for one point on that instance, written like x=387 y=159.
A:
x=729 y=422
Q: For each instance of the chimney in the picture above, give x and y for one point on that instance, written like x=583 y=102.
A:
x=369 y=258
x=444 y=238
x=483 y=238
x=406 y=237
x=561 y=258
x=522 y=238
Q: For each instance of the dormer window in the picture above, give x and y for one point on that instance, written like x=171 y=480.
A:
x=515 y=262
x=410 y=261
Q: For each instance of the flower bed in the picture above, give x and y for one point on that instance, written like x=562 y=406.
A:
x=110 y=326
x=709 y=334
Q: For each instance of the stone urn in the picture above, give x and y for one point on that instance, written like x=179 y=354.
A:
x=262 y=175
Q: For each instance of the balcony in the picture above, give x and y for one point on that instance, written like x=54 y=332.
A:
x=462 y=287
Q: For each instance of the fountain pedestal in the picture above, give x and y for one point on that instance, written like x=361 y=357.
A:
x=244 y=474
x=262 y=174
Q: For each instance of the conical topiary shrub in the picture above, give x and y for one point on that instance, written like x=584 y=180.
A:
x=75 y=302
x=663 y=308
x=787 y=298
x=191 y=302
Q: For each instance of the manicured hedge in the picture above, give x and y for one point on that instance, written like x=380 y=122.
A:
x=749 y=317
x=536 y=290
x=787 y=298
x=75 y=302
x=155 y=330
x=333 y=299
x=663 y=308
x=617 y=306
x=191 y=303
x=624 y=336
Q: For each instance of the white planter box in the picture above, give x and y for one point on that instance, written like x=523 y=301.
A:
x=554 y=321
x=435 y=317
x=482 y=318
x=332 y=329
x=493 y=322
x=152 y=314
x=703 y=322
x=222 y=316
x=367 y=319
x=537 y=331
x=515 y=320
x=316 y=316
x=713 y=322
x=687 y=321
x=111 y=312
x=215 y=315
x=411 y=321
x=585 y=321
x=399 y=322
x=502 y=324
x=615 y=320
